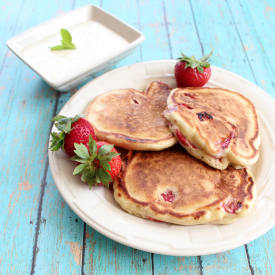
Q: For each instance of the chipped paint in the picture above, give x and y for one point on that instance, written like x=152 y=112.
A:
x=87 y=235
x=263 y=84
x=76 y=251
x=63 y=203
x=11 y=198
x=220 y=11
x=267 y=12
x=60 y=12
x=246 y=47
x=25 y=185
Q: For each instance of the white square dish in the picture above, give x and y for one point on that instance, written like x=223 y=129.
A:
x=102 y=40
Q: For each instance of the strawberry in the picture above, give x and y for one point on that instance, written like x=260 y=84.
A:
x=72 y=130
x=190 y=72
x=99 y=164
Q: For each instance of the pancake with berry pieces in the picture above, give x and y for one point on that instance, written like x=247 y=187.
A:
x=217 y=126
x=132 y=119
x=172 y=186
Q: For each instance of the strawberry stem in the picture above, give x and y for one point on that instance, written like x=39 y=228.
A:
x=64 y=125
x=94 y=165
x=194 y=63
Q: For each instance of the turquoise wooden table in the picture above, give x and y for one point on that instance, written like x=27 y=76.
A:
x=39 y=233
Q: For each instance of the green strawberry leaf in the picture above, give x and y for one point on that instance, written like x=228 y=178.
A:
x=105 y=149
x=84 y=176
x=104 y=175
x=81 y=151
x=108 y=157
x=92 y=147
x=194 y=63
x=67 y=127
x=97 y=177
x=55 y=136
x=204 y=58
x=78 y=159
x=77 y=117
x=57 y=118
x=56 y=146
x=79 y=169
x=106 y=165
x=200 y=69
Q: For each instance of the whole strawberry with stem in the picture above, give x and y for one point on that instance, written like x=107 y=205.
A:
x=190 y=72
x=72 y=130
x=99 y=165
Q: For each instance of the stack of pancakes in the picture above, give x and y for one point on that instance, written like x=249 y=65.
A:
x=202 y=180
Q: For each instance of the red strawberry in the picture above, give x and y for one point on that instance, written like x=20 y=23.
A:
x=72 y=130
x=190 y=72
x=99 y=164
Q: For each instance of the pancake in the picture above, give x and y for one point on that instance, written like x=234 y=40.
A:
x=217 y=126
x=132 y=119
x=174 y=187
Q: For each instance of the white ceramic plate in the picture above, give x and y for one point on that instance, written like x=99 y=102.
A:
x=98 y=208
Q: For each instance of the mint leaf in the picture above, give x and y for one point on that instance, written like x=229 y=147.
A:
x=66 y=42
x=66 y=36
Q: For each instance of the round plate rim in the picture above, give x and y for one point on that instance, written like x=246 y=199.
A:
x=172 y=252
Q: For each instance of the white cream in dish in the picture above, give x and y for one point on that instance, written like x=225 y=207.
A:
x=93 y=42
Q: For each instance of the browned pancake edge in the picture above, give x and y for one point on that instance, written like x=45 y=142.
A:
x=210 y=116
x=202 y=194
x=132 y=119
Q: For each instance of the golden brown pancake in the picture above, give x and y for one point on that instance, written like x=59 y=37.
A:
x=217 y=126
x=174 y=187
x=132 y=119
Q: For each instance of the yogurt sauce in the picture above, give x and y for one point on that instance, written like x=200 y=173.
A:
x=93 y=42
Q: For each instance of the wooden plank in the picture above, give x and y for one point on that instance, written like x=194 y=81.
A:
x=251 y=21
x=229 y=262
x=170 y=265
x=8 y=25
x=28 y=106
x=104 y=256
x=152 y=24
x=181 y=29
x=60 y=239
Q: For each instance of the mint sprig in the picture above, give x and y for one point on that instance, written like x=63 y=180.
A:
x=94 y=166
x=194 y=63
x=66 y=42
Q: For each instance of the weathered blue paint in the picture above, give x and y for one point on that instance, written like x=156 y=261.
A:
x=38 y=231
